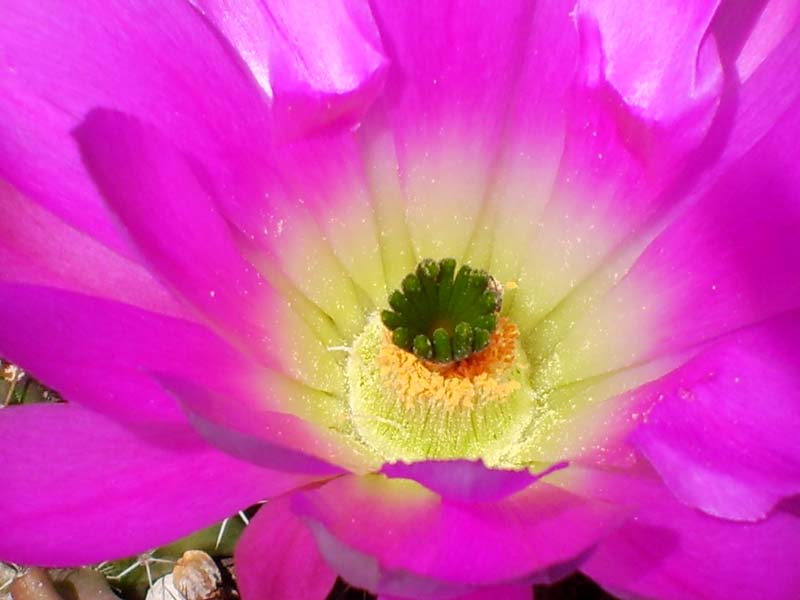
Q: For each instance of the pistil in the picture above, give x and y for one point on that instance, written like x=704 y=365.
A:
x=441 y=315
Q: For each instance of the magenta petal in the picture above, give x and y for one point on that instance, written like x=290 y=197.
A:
x=364 y=571
x=172 y=218
x=731 y=74
x=629 y=159
x=80 y=488
x=504 y=592
x=277 y=559
x=670 y=551
x=507 y=592
x=451 y=99
x=301 y=220
x=97 y=352
x=36 y=247
x=383 y=533
x=761 y=42
x=645 y=113
x=168 y=204
x=312 y=76
x=724 y=434
x=155 y=60
x=465 y=480
x=636 y=39
x=251 y=428
x=731 y=259
x=726 y=261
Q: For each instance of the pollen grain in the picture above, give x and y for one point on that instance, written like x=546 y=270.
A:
x=482 y=377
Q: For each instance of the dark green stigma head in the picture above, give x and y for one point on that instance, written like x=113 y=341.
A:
x=441 y=315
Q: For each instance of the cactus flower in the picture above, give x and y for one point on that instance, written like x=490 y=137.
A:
x=475 y=295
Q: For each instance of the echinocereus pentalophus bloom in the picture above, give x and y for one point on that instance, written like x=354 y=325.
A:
x=476 y=295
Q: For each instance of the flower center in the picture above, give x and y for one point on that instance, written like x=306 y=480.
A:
x=442 y=316
x=467 y=398
x=479 y=378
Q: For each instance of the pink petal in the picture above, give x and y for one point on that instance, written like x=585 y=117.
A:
x=466 y=481
x=757 y=108
x=606 y=188
x=38 y=248
x=277 y=558
x=97 y=352
x=500 y=115
x=249 y=423
x=630 y=146
x=762 y=43
x=365 y=572
x=730 y=260
x=105 y=355
x=151 y=59
x=430 y=123
x=767 y=25
x=660 y=61
x=724 y=434
x=312 y=76
x=395 y=537
x=456 y=71
x=670 y=551
x=725 y=262
x=735 y=62
x=170 y=216
x=534 y=136
x=81 y=488
x=690 y=284
x=161 y=200
x=506 y=592
x=318 y=221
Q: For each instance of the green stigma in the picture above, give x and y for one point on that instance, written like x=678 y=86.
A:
x=441 y=315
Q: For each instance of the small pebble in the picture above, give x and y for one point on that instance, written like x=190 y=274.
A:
x=35 y=584
x=83 y=584
x=164 y=589
x=197 y=576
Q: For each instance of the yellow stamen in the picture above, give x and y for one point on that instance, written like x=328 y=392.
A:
x=404 y=408
x=481 y=377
